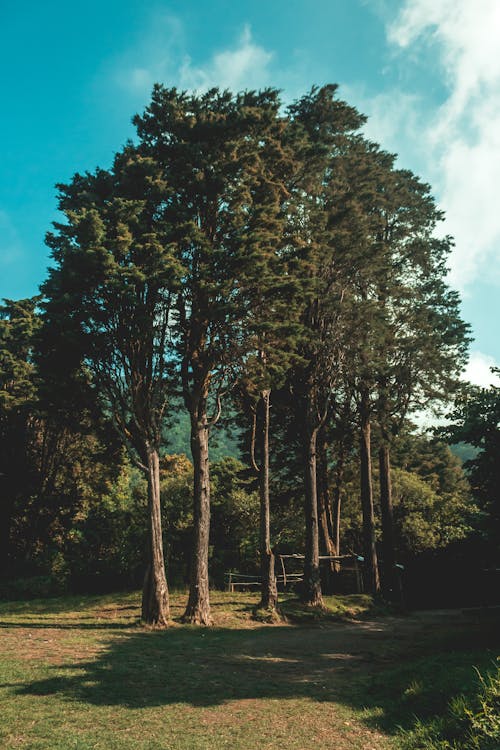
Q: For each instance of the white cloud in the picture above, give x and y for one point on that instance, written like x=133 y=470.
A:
x=244 y=66
x=161 y=56
x=152 y=57
x=391 y=114
x=463 y=137
x=478 y=370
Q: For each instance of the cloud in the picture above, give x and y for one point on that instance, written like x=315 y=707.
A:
x=478 y=370
x=391 y=114
x=152 y=57
x=462 y=139
x=161 y=56
x=244 y=66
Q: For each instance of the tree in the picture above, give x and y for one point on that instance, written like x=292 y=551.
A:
x=18 y=397
x=424 y=340
x=273 y=331
x=107 y=308
x=411 y=342
x=322 y=128
x=432 y=498
x=476 y=421
x=353 y=190
x=217 y=150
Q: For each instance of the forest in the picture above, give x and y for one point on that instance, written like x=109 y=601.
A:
x=245 y=320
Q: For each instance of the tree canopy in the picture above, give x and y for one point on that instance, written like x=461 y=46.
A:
x=262 y=264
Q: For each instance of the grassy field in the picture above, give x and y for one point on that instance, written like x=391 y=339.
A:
x=81 y=673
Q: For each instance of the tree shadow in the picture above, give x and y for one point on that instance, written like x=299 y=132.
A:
x=358 y=665
x=74 y=625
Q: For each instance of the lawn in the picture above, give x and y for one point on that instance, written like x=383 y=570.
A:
x=82 y=673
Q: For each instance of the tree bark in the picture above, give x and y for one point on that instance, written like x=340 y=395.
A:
x=311 y=590
x=370 y=567
x=155 y=600
x=198 y=606
x=337 y=499
x=324 y=504
x=269 y=591
x=391 y=589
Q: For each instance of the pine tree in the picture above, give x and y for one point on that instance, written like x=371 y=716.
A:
x=411 y=340
x=218 y=151
x=107 y=309
x=322 y=126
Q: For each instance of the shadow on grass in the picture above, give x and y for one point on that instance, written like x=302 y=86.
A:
x=65 y=604
x=75 y=625
x=394 y=675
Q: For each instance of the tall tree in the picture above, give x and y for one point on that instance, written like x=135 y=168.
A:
x=18 y=399
x=359 y=192
x=322 y=126
x=410 y=340
x=108 y=303
x=217 y=149
x=423 y=340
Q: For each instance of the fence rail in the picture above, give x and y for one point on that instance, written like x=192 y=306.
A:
x=234 y=580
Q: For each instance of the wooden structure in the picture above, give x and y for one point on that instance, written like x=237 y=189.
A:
x=342 y=564
x=234 y=580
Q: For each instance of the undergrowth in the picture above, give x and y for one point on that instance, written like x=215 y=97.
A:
x=470 y=722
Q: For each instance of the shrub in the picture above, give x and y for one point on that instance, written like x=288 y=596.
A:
x=470 y=723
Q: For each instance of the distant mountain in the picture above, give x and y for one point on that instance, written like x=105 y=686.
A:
x=176 y=437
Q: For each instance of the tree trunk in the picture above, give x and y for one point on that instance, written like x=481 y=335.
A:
x=5 y=531
x=391 y=589
x=269 y=591
x=198 y=606
x=370 y=567
x=325 y=506
x=337 y=499
x=155 y=601
x=311 y=591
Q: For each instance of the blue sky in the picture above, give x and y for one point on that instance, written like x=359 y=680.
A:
x=426 y=72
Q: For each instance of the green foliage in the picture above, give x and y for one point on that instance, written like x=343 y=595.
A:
x=235 y=519
x=104 y=546
x=433 y=504
x=469 y=722
x=426 y=518
x=52 y=463
x=235 y=240
x=108 y=298
x=476 y=421
x=18 y=326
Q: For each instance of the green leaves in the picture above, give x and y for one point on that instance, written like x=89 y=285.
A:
x=18 y=326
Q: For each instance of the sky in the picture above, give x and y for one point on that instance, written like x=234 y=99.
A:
x=425 y=72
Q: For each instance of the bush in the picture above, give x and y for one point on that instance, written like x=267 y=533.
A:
x=470 y=723
x=32 y=587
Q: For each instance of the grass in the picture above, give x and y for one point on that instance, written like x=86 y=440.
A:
x=80 y=673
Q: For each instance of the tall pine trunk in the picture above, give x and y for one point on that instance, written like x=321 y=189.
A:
x=370 y=567
x=198 y=606
x=269 y=591
x=155 y=601
x=337 y=499
x=311 y=590
x=325 y=505
x=391 y=589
